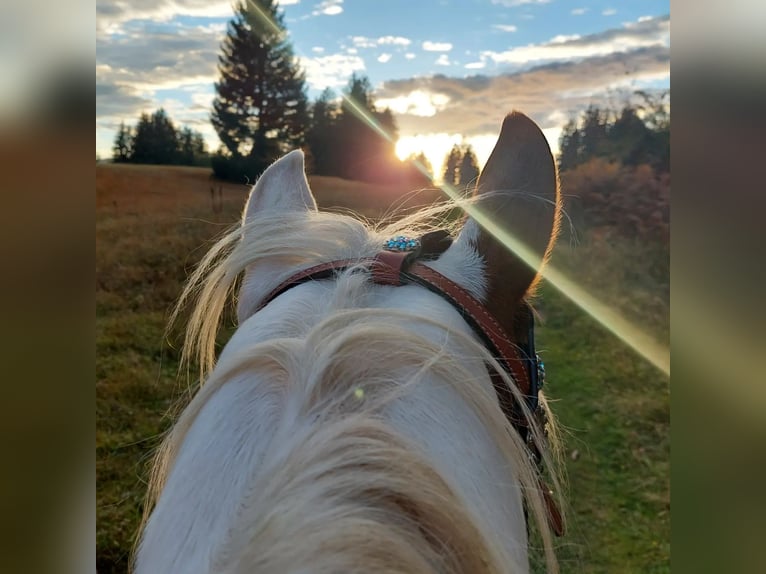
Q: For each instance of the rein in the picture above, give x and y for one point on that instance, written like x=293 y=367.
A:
x=400 y=263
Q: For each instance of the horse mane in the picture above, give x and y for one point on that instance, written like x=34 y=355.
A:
x=339 y=462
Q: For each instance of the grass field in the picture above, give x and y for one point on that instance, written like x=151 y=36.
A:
x=154 y=223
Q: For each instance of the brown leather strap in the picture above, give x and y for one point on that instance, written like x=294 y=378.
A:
x=317 y=272
x=398 y=268
x=555 y=519
x=390 y=268
x=481 y=318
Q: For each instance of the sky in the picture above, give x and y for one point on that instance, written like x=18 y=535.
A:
x=449 y=69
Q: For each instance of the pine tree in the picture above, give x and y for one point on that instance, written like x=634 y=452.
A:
x=143 y=140
x=165 y=139
x=260 y=110
x=452 y=165
x=570 y=144
x=469 y=168
x=594 y=132
x=360 y=150
x=423 y=162
x=200 y=149
x=123 y=144
x=155 y=140
x=628 y=137
x=321 y=135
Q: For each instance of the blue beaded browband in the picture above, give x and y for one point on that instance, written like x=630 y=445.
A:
x=402 y=243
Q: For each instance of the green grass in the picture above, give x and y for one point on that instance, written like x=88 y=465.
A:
x=613 y=407
x=154 y=223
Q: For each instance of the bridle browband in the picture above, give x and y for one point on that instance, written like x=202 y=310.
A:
x=404 y=266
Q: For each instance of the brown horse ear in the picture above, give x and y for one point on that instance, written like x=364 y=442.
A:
x=518 y=194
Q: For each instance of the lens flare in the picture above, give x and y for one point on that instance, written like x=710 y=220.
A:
x=646 y=346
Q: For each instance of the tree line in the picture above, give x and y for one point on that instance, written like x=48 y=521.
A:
x=615 y=168
x=155 y=140
x=261 y=110
x=637 y=134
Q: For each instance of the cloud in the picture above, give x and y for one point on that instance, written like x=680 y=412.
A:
x=579 y=11
x=156 y=60
x=119 y=101
x=203 y=100
x=409 y=56
x=417 y=103
x=330 y=71
x=365 y=42
x=394 y=40
x=475 y=65
x=474 y=105
x=383 y=58
x=437 y=46
x=288 y=2
x=511 y=3
x=328 y=8
x=505 y=27
x=112 y=14
x=443 y=60
x=609 y=12
x=633 y=35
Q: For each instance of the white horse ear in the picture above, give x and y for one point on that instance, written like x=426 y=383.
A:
x=282 y=187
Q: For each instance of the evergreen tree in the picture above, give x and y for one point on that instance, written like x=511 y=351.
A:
x=415 y=171
x=570 y=146
x=423 y=162
x=655 y=112
x=260 y=110
x=191 y=147
x=452 y=165
x=143 y=141
x=628 y=137
x=199 y=148
x=638 y=134
x=321 y=136
x=594 y=132
x=155 y=140
x=165 y=139
x=469 y=168
x=361 y=150
x=123 y=144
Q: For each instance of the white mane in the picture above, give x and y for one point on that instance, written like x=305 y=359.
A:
x=346 y=427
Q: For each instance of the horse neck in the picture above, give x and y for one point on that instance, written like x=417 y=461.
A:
x=258 y=477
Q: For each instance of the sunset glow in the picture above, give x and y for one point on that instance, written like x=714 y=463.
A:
x=437 y=146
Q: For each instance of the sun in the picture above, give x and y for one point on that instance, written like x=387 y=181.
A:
x=436 y=147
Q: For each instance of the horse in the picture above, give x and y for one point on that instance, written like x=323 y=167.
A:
x=353 y=423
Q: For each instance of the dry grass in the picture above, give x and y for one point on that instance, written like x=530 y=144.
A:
x=153 y=224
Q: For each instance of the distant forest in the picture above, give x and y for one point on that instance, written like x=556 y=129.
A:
x=615 y=169
x=155 y=139
x=637 y=134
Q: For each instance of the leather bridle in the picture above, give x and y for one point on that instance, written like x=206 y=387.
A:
x=518 y=359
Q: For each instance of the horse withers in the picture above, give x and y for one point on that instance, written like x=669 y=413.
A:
x=353 y=422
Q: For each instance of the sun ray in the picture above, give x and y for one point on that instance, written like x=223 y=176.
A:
x=641 y=342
